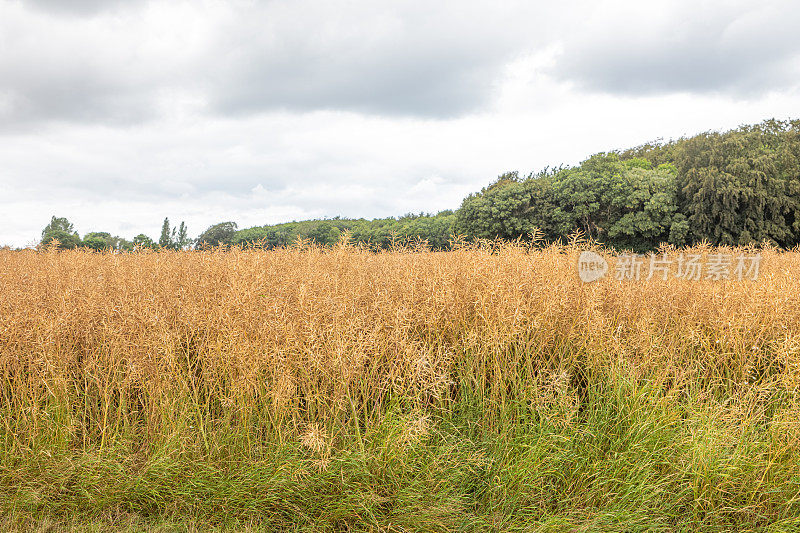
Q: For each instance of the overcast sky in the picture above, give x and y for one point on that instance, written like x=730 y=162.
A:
x=117 y=113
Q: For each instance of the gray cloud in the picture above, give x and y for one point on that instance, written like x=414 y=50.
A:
x=78 y=70
x=402 y=84
x=79 y=7
x=75 y=100
x=414 y=60
x=124 y=62
x=240 y=58
x=740 y=49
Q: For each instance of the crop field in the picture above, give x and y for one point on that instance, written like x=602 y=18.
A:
x=482 y=389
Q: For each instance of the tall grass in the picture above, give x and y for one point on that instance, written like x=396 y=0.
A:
x=483 y=389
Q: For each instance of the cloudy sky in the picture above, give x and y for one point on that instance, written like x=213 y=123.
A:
x=117 y=113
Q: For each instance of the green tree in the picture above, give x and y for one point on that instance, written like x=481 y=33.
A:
x=65 y=240
x=97 y=241
x=143 y=241
x=625 y=204
x=218 y=234
x=58 y=223
x=622 y=203
x=323 y=233
x=103 y=240
x=742 y=186
x=436 y=230
x=167 y=238
x=183 y=239
x=590 y=197
x=267 y=236
x=61 y=230
x=647 y=210
x=508 y=208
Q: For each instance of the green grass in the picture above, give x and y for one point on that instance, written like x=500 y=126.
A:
x=620 y=456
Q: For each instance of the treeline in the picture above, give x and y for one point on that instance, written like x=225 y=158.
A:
x=61 y=232
x=734 y=188
x=726 y=188
x=437 y=230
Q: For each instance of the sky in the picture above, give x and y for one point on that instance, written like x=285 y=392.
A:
x=118 y=113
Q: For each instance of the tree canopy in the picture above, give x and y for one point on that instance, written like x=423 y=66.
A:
x=726 y=188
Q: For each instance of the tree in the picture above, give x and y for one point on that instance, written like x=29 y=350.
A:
x=621 y=203
x=124 y=244
x=95 y=241
x=499 y=210
x=183 y=239
x=267 y=236
x=625 y=204
x=590 y=197
x=61 y=230
x=103 y=240
x=508 y=209
x=218 y=234
x=323 y=233
x=167 y=239
x=436 y=230
x=65 y=239
x=648 y=210
x=58 y=223
x=142 y=241
x=743 y=186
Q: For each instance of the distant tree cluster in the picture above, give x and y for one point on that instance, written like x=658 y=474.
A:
x=216 y=235
x=732 y=188
x=623 y=203
x=60 y=231
x=437 y=230
x=176 y=238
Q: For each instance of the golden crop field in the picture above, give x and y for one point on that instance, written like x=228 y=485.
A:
x=486 y=388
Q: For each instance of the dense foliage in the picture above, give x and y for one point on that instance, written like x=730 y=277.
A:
x=738 y=187
x=380 y=233
x=733 y=188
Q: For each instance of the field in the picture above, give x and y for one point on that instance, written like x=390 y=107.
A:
x=483 y=389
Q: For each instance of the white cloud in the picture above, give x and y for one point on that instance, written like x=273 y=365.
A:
x=740 y=48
